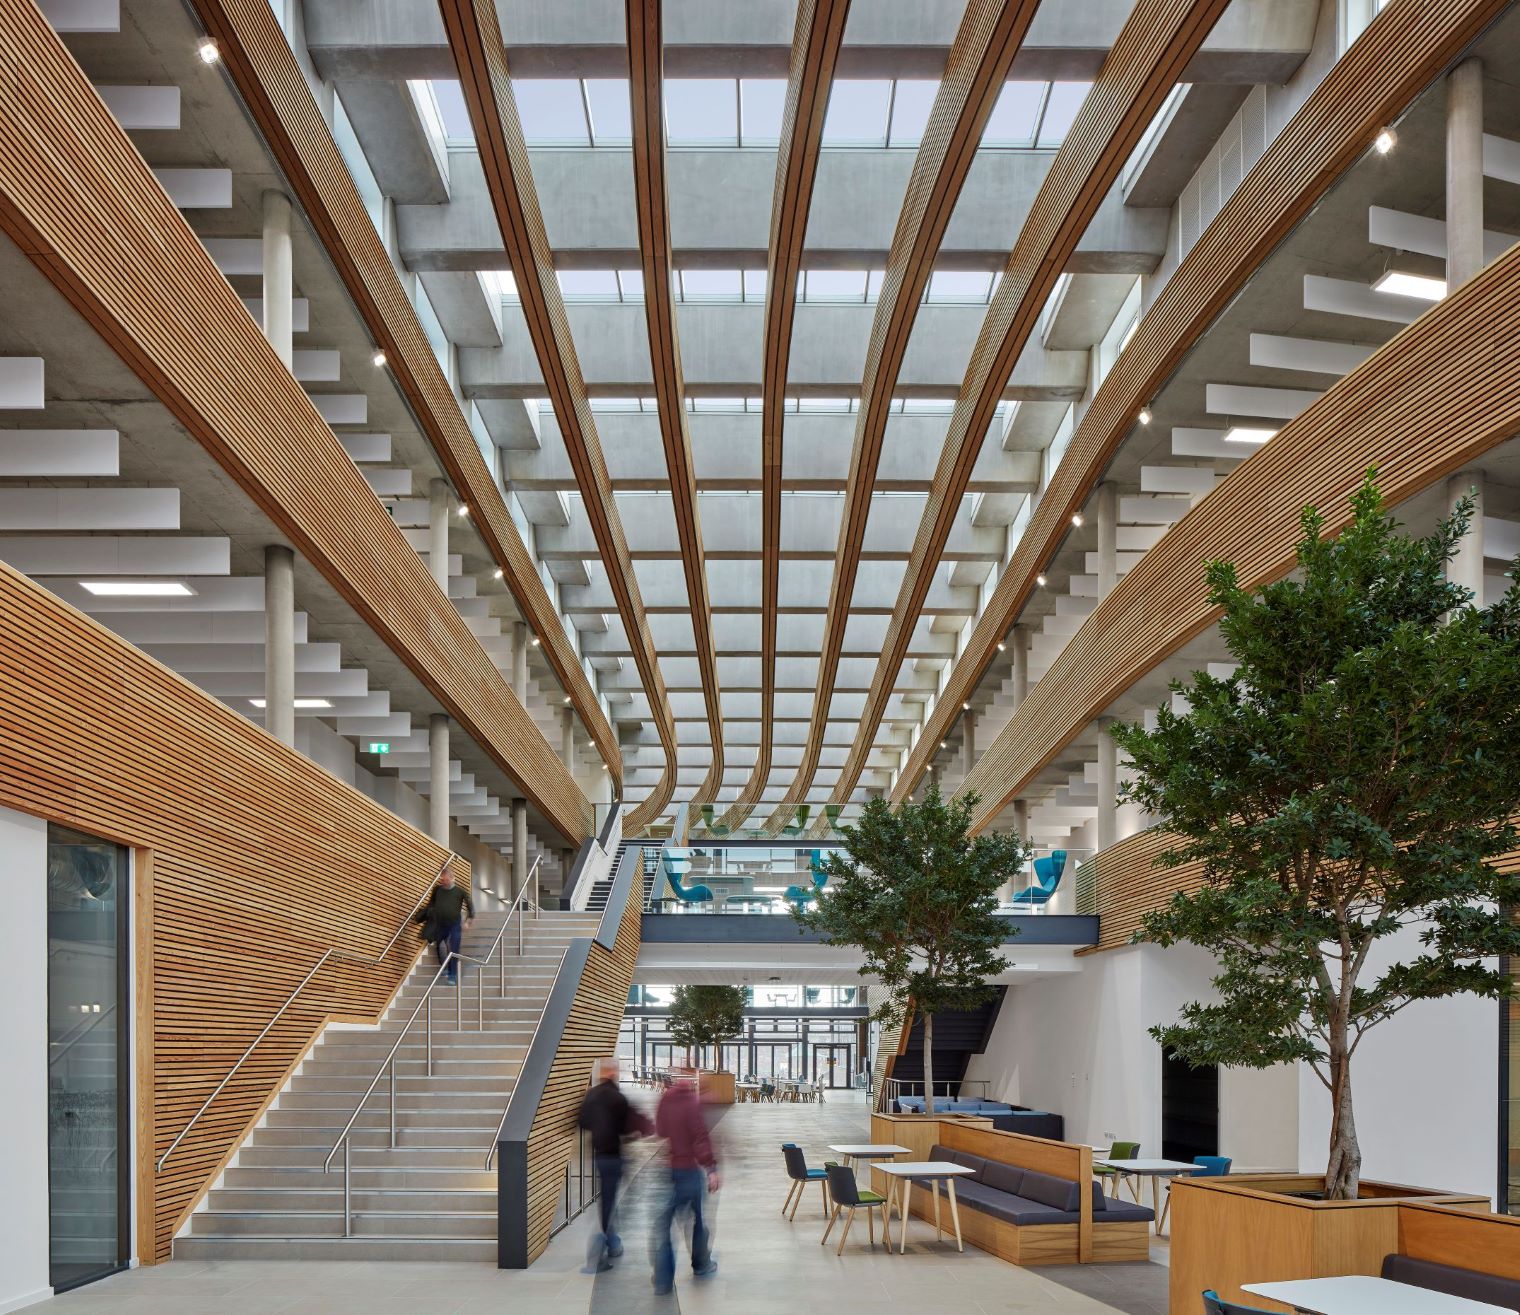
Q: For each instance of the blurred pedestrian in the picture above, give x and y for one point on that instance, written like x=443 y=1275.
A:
x=609 y=1117
x=693 y=1174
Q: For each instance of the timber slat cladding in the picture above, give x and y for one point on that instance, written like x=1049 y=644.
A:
x=815 y=54
x=261 y=63
x=1150 y=54
x=474 y=33
x=590 y=1033
x=1440 y=394
x=1376 y=79
x=646 y=82
x=79 y=199
x=251 y=862
x=976 y=71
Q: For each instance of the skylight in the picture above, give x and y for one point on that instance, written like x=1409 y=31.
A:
x=710 y=285
x=954 y=285
x=588 y=284
x=452 y=110
x=835 y=285
x=553 y=111
x=762 y=104
x=858 y=112
x=1014 y=118
x=611 y=116
x=1061 y=110
x=702 y=111
x=911 y=103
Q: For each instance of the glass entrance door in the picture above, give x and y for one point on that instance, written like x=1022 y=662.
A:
x=88 y=1029
x=831 y=1065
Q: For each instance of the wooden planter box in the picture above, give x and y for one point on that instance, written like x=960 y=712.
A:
x=715 y=1088
x=1246 y=1229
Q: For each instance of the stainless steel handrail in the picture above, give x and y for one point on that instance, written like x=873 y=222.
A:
x=83 y=1031
x=331 y=953
x=520 y=906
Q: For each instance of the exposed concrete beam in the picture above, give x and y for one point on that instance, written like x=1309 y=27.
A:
x=390 y=131
x=720 y=213
x=1257 y=41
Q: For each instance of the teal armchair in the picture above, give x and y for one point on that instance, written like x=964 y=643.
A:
x=677 y=865
x=800 y=895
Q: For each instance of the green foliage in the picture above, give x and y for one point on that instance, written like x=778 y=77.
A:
x=706 y=1015
x=1355 y=775
x=919 y=897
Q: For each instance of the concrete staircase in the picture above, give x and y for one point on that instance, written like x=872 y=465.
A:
x=431 y=1197
x=601 y=891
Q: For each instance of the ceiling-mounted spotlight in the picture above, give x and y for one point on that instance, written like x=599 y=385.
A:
x=944 y=744
x=209 y=51
x=1385 y=141
x=498 y=573
x=379 y=360
x=1040 y=579
x=1002 y=647
x=464 y=508
x=1076 y=519
x=567 y=699
x=1145 y=415
x=535 y=641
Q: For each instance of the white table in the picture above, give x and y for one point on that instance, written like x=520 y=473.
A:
x=851 y=1151
x=1155 y=1170
x=1361 y=1294
x=900 y=1178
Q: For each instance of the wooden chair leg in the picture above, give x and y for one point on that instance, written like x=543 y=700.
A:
x=823 y=1186
x=844 y=1237
x=833 y=1219
x=871 y=1225
x=797 y=1201
x=790 y=1192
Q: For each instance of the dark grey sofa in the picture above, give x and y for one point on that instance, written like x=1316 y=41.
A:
x=1005 y=1117
x=1455 y=1282
x=1025 y=1197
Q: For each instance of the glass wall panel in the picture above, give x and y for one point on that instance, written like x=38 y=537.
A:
x=88 y=1012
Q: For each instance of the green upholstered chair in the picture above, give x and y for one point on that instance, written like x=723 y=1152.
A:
x=1122 y=1150
x=847 y=1195
x=831 y=814
x=800 y=824
x=714 y=827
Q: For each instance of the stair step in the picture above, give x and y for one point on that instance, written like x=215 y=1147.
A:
x=365 y=1177
x=462 y=1155
x=378 y=1138
x=329 y=1223
x=336 y=1248
x=327 y=1199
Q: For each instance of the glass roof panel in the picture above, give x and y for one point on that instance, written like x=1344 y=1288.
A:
x=910 y=111
x=1013 y=118
x=588 y=284
x=500 y=282
x=611 y=117
x=1065 y=100
x=754 y=284
x=874 y=280
x=452 y=113
x=701 y=112
x=836 y=285
x=959 y=285
x=857 y=113
x=710 y=284
x=552 y=111
x=762 y=104
x=632 y=283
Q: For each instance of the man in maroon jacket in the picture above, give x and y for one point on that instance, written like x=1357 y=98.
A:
x=693 y=1173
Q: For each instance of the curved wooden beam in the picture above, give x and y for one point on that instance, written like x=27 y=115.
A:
x=815 y=54
x=1438 y=395
x=1149 y=55
x=1377 y=78
x=259 y=60
x=646 y=90
x=985 y=45
x=474 y=34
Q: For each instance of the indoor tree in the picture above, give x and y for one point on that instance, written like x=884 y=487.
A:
x=706 y=1016
x=919 y=896
x=1353 y=778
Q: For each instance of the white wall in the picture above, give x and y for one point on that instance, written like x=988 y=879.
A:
x=23 y=1043
x=1078 y=1044
x=1425 y=1086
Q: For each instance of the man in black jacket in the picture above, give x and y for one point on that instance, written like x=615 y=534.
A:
x=447 y=915
x=607 y=1115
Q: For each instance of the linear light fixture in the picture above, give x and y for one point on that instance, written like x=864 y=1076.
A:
x=1397 y=283
x=299 y=703
x=1248 y=434
x=137 y=588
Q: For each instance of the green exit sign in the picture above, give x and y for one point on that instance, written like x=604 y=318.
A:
x=378 y=746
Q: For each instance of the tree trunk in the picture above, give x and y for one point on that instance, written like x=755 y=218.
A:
x=928 y=1063
x=1343 y=1174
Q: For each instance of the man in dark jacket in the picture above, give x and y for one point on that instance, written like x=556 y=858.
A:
x=607 y=1115
x=693 y=1174
x=447 y=915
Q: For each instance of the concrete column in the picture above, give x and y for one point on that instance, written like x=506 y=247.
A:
x=567 y=738
x=1108 y=539
x=279 y=276
x=438 y=532
x=1466 y=568
x=520 y=662
x=1018 y=644
x=1464 y=171
x=438 y=779
x=968 y=743
x=1108 y=785
x=519 y=845
x=280 y=642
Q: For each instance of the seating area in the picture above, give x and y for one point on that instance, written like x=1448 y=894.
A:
x=1005 y=1117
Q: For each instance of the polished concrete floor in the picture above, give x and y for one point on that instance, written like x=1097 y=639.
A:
x=765 y=1264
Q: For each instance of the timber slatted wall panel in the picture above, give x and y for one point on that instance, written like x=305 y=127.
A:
x=1151 y=52
x=280 y=102
x=79 y=199
x=252 y=861
x=1377 y=78
x=590 y=1033
x=474 y=32
x=1441 y=393
x=976 y=70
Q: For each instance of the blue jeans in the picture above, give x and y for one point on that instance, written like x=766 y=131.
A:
x=449 y=944
x=688 y=1189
